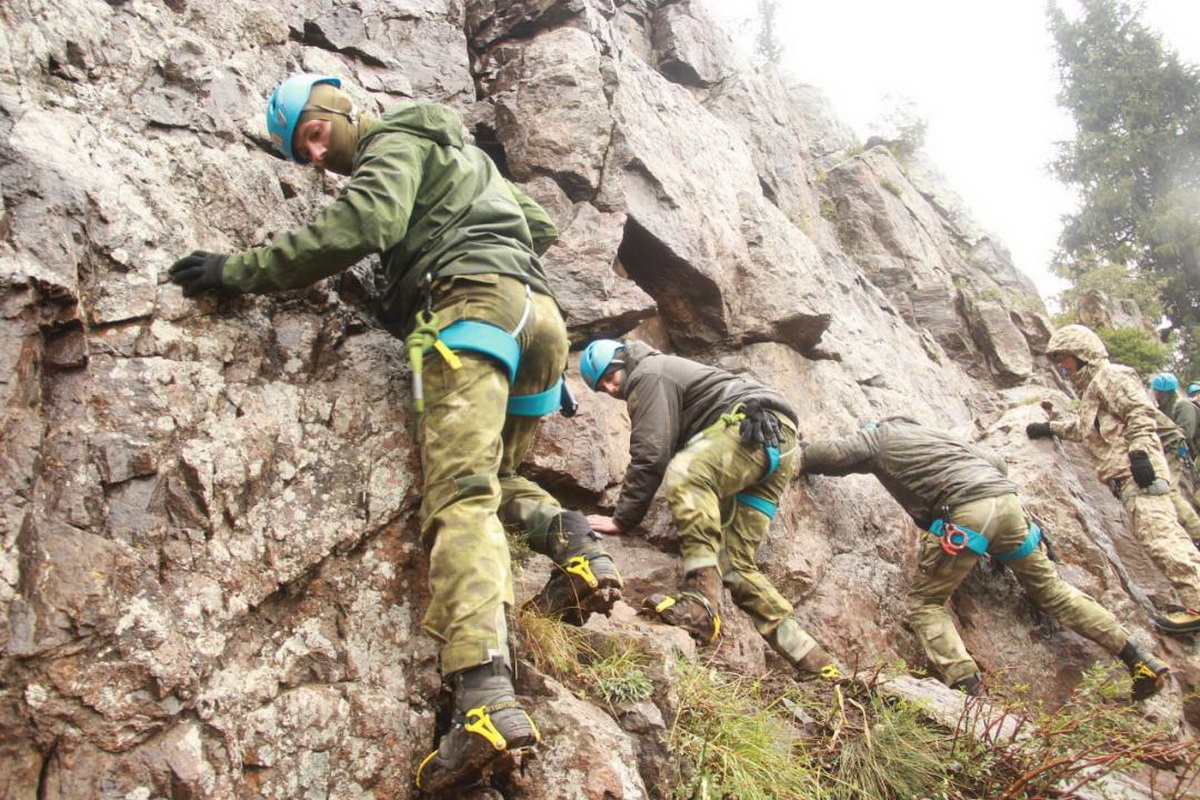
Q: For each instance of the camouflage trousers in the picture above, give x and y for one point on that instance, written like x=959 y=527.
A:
x=470 y=450
x=1181 y=495
x=1153 y=520
x=1002 y=521
x=703 y=478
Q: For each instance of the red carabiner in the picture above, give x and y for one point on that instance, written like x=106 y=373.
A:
x=950 y=544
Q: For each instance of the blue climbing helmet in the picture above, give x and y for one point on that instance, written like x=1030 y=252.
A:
x=1193 y=389
x=285 y=105
x=596 y=358
x=1164 y=382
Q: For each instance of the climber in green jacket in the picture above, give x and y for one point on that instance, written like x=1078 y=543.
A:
x=460 y=248
x=961 y=496
x=710 y=439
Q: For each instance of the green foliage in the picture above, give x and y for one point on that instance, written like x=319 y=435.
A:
x=620 y=677
x=610 y=669
x=1117 y=281
x=736 y=742
x=518 y=547
x=1135 y=158
x=900 y=127
x=738 y=739
x=1136 y=348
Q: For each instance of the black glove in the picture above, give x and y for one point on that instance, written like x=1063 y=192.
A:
x=1038 y=430
x=198 y=272
x=760 y=427
x=1141 y=468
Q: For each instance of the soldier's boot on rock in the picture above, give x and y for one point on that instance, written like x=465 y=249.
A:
x=488 y=723
x=1149 y=673
x=797 y=647
x=695 y=607
x=1178 y=620
x=972 y=685
x=585 y=580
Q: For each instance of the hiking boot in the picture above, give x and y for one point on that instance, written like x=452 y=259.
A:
x=488 y=722
x=789 y=638
x=695 y=607
x=1149 y=673
x=585 y=580
x=1178 y=620
x=972 y=685
x=818 y=663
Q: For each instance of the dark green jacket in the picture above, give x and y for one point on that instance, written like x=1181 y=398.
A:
x=425 y=201
x=924 y=469
x=671 y=399
x=1183 y=412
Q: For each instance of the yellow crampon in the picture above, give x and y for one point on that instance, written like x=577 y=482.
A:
x=830 y=672
x=671 y=600
x=579 y=565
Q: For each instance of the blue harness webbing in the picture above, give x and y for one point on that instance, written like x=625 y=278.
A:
x=482 y=337
x=537 y=405
x=977 y=543
x=757 y=503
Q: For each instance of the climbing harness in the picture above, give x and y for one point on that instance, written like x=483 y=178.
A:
x=734 y=417
x=490 y=340
x=956 y=538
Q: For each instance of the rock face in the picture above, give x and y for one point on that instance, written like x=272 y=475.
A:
x=211 y=583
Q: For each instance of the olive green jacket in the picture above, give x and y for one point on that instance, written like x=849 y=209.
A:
x=424 y=200
x=671 y=399
x=1183 y=412
x=923 y=468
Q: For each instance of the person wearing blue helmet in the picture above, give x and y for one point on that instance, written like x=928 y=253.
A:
x=1165 y=388
x=714 y=441
x=1193 y=389
x=465 y=285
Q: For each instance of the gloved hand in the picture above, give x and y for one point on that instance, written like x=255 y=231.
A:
x=760 y=428
x=1141 y=468
x=1038 y=430
x=198 y=272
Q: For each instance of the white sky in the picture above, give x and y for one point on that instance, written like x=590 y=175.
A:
x=980 y=72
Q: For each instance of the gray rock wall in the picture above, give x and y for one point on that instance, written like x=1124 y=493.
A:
x=210 y=581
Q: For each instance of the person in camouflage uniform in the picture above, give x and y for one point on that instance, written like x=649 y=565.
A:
x=710 y=439
x=961 y=496
x=1179 y=463
x=459 y=239
x=1116 y=424
x=1183 y=412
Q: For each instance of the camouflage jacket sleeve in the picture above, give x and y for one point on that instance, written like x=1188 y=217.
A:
x=853 y=453
x=369 y=216
x=654 y=414
x=1122 y=392
x=1067 y=429
x=542 y=229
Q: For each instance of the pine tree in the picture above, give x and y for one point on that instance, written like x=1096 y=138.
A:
x=1135 y=158
x=766 y=42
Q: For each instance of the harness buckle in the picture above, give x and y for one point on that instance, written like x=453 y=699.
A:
x=953 y=539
